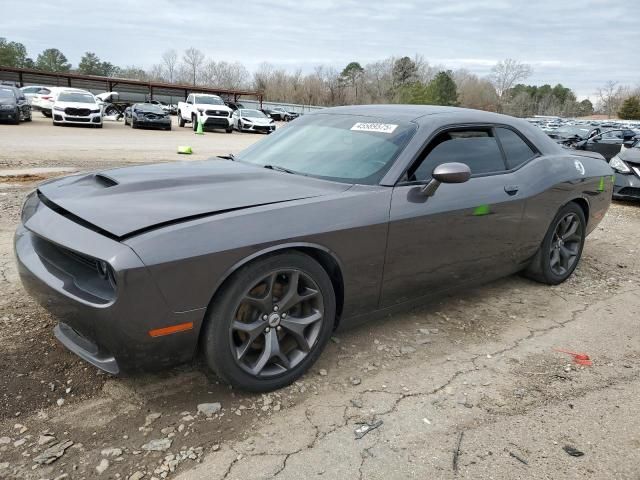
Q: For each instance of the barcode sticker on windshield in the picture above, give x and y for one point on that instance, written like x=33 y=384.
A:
x=374 y=127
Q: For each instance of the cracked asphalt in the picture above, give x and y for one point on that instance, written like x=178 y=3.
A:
x=472 y=386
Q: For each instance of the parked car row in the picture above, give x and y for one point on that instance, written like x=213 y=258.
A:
x=618 y=143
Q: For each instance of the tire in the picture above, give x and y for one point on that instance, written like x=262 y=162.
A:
x=29 y=118
x=229 y=130
x=133 y=123
x=220 y=340
x=181 y=122
x=46 y=113
x=542 y=267
x=126 y=123
x=99 y=126
x=194 y=123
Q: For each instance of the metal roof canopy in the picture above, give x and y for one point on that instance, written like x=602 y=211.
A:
x=125 y=85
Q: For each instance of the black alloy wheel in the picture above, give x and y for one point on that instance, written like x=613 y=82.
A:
x=561 y=248
x=270 y=324
x=566 y=244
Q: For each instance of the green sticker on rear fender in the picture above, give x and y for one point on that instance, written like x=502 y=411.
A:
x=482 y=210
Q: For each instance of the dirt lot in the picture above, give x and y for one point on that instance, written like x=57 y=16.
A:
x=470 y=387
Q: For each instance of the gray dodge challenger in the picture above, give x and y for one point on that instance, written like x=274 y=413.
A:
x=252 y=261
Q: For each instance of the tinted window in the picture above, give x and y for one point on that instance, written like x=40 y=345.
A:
x=476 y=148
x=515 y=149
x=612 y=134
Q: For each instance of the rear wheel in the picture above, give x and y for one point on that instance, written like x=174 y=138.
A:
x=270 y=322
x=561 y=248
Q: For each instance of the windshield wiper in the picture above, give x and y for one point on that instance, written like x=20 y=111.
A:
x=279 y=169
x=229 y=156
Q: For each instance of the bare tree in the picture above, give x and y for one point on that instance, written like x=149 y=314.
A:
x=609 y=96
x=505 y=74
x=170 y=64
x=193 y=60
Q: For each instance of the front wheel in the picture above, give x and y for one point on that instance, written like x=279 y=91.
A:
x=270 y=321
x=561 y=248
x=229 y=129
x=181 y=122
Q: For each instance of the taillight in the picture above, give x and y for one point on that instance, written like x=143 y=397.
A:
x=47 y=98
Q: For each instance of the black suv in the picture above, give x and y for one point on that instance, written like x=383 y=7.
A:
x=14 y=106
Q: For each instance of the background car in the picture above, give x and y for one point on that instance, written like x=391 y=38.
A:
x=342 y=214
x=280 y=113
x=43 y=100
x=32 y=90
x=76 y=107
x=569 y=135
x=250 y=120
x=147 y=115
x=608 y=143
x=626 y=164
x=14 y=106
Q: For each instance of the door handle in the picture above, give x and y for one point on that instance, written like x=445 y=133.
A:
x=511 y=189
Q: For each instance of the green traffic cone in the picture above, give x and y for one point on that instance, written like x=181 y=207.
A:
x=199 y=130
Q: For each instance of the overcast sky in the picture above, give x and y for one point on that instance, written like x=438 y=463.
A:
x=581 y=44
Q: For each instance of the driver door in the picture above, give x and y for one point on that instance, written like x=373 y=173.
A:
x=465 y=232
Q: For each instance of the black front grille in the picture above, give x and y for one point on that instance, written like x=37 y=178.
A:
x=218 y=113
x=153 y=116
x=78 y=119
x=629 y=192
x=77 y=112
x=216 y=122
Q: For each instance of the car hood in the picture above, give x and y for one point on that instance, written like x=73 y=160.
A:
x=257 y=120
x=91 y=106
x=127 y=201
x=631 y=155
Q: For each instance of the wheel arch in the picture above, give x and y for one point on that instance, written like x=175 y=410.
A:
x=327 y=259
x=583 y=203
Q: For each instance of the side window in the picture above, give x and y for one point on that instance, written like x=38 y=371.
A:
x=515 y=149
x=475 y=147
x=190 y=99
x=612 y=134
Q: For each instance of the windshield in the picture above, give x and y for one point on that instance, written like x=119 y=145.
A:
x=252 y=113
x=77 y=97
x=344 y=148
x=208 y=100
x=149 y=107
x=6 y=93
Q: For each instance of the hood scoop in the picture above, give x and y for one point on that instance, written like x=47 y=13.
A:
x=105 y=180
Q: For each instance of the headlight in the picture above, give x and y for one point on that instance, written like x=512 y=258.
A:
x=95 y=111
x=618 y=165
x=244 y=120
x=60 y=109
x=29 y=206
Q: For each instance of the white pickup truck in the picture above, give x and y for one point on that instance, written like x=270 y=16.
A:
x=209 y=109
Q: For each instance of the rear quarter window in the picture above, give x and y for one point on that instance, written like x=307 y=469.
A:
x=516 y=150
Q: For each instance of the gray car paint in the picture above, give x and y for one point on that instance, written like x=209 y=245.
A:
x=174 y=233
x=627 y=185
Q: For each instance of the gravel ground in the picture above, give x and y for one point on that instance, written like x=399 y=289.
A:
x=468 y=387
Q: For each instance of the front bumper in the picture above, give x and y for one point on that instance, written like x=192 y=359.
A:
x=9 y=114
x=216 y=122
x=626 y=186
x=256 y=128
x=110 y=331
x=153 y=123
x=92 y=119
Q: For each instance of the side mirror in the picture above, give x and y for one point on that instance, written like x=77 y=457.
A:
x=447 y=173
